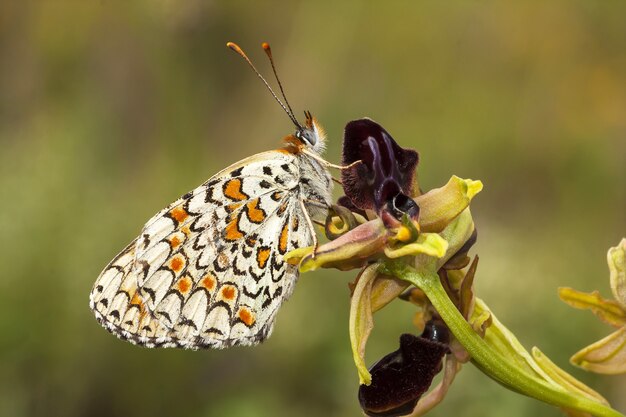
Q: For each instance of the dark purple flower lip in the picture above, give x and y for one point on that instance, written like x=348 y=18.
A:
x=384 y=178
x=400 y=378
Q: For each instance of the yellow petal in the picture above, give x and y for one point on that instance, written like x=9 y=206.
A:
x=608 y=311
x=606 y=356
x=617 y=267
x=440 y=206
x=385 y=289
x=430 y=244
x=361 y=320
x=456 y=233
x=295 y=256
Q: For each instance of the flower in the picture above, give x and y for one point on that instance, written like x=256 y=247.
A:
x=608 y=355
x=400 y=238
x=400 y=378
x=386 y=174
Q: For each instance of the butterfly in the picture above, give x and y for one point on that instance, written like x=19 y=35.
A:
x=208 y=271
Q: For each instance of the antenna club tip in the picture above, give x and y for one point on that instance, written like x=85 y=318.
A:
x=233 y=46
x=266 y=46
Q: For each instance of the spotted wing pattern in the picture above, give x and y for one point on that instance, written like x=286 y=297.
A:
x=208 y=270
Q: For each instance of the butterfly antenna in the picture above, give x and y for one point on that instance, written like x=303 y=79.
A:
x=242 y=54
x=268 y=52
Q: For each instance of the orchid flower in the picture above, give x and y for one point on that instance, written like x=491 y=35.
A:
x=608 y=355
x=413 y=246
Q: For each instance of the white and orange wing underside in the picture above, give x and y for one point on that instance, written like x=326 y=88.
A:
x=208 y=270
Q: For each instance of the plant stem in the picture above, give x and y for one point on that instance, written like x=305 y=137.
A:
x=488 y=359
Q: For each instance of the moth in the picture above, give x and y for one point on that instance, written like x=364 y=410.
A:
x=208 y=271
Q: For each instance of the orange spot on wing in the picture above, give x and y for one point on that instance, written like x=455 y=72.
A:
x=229 y=292
x=186 y=230
x=177 y=263
x=175 y=242
x=232 y=190
x=232 y=207
x=184 y=284
x=262 y=256
x=136 y=300
x=277 y=195
x=246 y=316
x=232 y=230
x=208 y=282
x=284 y=238
x=255 y=214
x=179 y=214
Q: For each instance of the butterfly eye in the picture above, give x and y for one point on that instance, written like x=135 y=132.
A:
x=307 y=136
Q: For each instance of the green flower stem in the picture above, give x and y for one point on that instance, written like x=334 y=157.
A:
x=487 y=358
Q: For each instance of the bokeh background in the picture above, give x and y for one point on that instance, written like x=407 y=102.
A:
x=111 y=110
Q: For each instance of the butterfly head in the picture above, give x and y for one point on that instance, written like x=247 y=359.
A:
x=312 y=134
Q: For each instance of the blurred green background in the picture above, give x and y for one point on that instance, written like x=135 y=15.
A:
x=111 y=110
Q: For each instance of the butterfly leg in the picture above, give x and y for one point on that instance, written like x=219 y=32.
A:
x=346 y=166
x=330 y=164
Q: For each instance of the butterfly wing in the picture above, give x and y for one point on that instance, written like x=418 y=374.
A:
x=208 y=270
